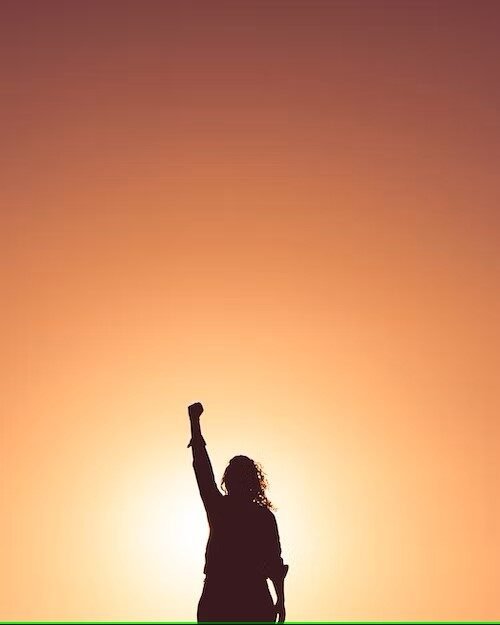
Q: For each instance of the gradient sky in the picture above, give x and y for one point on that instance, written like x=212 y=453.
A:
x=289 y=211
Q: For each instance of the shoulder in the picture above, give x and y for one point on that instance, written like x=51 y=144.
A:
x=266 y=514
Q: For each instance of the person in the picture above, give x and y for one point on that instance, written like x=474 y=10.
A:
x=243 y=548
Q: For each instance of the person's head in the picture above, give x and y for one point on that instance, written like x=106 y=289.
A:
x=245 y=479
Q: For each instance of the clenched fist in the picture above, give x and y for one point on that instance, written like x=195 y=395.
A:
x=195 y=410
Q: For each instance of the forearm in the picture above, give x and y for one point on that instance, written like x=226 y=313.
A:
x=201 y=463
x=196 y=435
x=201 y=460
x=279 y=587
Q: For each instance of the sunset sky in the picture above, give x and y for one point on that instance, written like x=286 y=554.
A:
x=289 y=211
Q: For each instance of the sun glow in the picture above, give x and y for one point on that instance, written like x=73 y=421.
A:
x=165 y=523
x=289 y=212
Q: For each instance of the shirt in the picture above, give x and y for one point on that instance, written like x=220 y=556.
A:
x=244 y=538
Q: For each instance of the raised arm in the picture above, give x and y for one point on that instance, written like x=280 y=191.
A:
x=203 y=470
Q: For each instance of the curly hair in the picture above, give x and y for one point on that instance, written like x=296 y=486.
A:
x=244 y=476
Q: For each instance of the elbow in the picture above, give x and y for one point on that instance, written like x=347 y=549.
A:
x=277 y=572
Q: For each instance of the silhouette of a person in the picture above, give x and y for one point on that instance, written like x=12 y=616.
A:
x=243 y=547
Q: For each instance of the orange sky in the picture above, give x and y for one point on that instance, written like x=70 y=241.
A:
x=288 y=211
